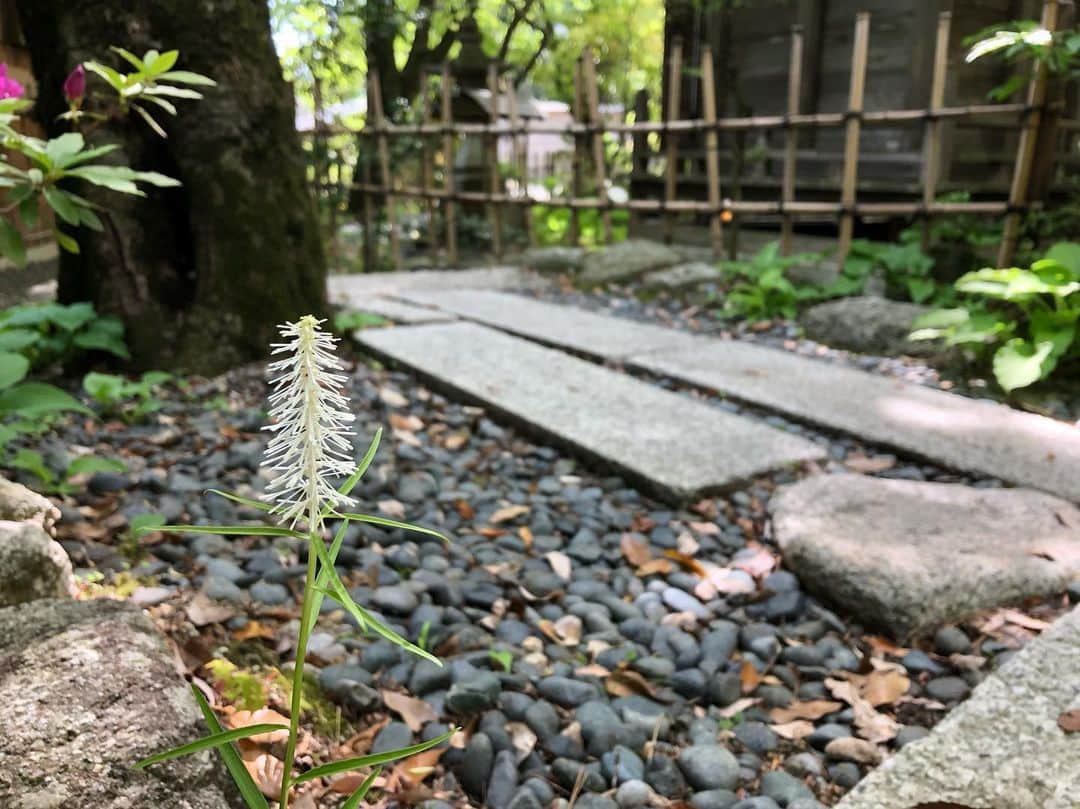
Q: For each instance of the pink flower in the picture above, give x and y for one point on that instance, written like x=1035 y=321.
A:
x=75 y=85
x=9 y=88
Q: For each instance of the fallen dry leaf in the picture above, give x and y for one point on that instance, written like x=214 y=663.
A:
x=392 y=508
x=592 y=670
x=392 y=398
x=415 y=712
x=265 y=770
x=883 y=646
x=738 y=706
x=243 y=719
x=456 y=441
x=526 y=535
x=812 y=709
x=883 y=687
x=416 y=768
x=705 y=528
x=653 y=567
x=561 y=564
x=626 y=683
x=254 y=629
x=873 y=726
x=522 y=738
x=1026 y=621
x=569 y=629
x=202 y=610
x=635 y=549
x=508 y=513
x=749 y=677
x=409 y=424
x=687 y=544
x=1070 y=721
x=686 y=562
x=464 y=509
x=760 y=563
x=793 y=730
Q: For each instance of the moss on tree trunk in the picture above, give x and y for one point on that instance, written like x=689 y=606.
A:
x=199 y=274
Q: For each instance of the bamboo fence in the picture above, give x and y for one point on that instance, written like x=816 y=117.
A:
x=587 y=130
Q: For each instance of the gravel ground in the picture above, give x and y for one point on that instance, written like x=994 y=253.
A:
x=583 y=656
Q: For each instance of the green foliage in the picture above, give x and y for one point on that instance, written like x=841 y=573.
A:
x=905 y=269
x=503 y=658
x=1027 y=317
x=240 y=687
x=761 y=288
x=1018 y=42
x=552 y=225
x=51 y=333
x=350 y=320
x=131 y=400
x=30 y=461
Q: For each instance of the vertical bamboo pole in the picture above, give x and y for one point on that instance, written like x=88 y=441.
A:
x=371 y=244
x=592 y=95
x=494 y=176
x=426 y=169
x=576 y=164
x=672 y=152
x=791 y=142
x=450 y=205
x=932 y=138
x=853 y=128
x=712 y=150
x=520 y=143
x=375 y=94
x=639 y=155
x=1025 y=150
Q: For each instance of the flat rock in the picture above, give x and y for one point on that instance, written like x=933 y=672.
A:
x=18 y=503
x=89 y=688
x=400 y=312
x=867 y=325
x=682 y=276
x=1002 y=748
x=670 y=444
x=32 y=565
x=908 y=556
x=625 y=261
x=554 y=259
x=356 y=289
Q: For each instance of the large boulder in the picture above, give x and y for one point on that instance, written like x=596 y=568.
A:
x=626 y=261
x=867 y=325
x=906 y=556
x=554 y=259
x=682 y=276
x=88 y=688
x=32 y=565
x=1003 y=747
x=18 y=503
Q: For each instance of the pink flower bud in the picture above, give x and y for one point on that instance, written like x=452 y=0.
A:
x=9 y=88
x=75 y=85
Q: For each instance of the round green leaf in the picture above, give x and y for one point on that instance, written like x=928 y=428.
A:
x=13 y=368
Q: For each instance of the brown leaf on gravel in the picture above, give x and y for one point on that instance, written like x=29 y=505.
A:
x=569 y=629
x=883 y=687
x=265 y=770
x=526 y=535
x=522 y=738
x=654 y=567
x=794 y=730
x=408 y=424
x=812 y=709
x=686 y=562
x=883 y=646
x=560 y=563
x=464 y=509
x=415 y=769
x=243 y=719
x=705 y=528
x=508 y=513
x=627 y=683
x=759 y=564
x=1070 y=721
x=737 y=707
x=873 y=726
x=254 y=629
x=392 y=508
x=415 y=712
x=635 y=549
x=456 y=441
x=202 y=610
x=749 y=677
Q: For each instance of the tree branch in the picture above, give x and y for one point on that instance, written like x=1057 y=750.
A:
x=520 y=12
x=545 y=39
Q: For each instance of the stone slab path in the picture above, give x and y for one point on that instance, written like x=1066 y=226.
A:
x=1002 y=748
x=955 y=431
x=403 y=312
x=354 y=289
x=669 y=443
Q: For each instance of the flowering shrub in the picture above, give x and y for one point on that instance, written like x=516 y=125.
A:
x=310 y=450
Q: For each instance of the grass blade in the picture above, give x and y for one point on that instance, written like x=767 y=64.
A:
x=234 y=530
x=388 y=523
x=206 y=742
x=323 y=576
x=361 y=468
x=251 y=793
x=354 y=800
x=375 y=759
x=246 y=501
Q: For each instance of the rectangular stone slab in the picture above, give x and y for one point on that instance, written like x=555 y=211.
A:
x=354 y=289
x=1002 y=748
x=403 y=312
x=670 y=444
x=954 y=431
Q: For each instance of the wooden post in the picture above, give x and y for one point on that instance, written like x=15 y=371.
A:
x=639 y=155
x=574 y=230
x=494 y=176
x=1025 y=151
x=671 y=168
x=449 y=206
x=371 y=242
x=426 y=169
x=520 y=143
x=592 y=96
x=932 y=144
x=791 y=141
x=384 y=166
x=853 y=129
x=712 y=151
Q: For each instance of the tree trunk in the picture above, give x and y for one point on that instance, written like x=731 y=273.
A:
x=199 y=274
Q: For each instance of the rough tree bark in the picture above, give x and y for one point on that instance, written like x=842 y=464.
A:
x=199 y=274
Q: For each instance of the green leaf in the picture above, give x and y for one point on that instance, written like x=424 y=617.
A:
x=322 y=579
x=161 y=62
x=375 y=759
x=187 y=77
x=246 y=501
x=1018 y=363
x=11 y=243
x=150 y=122
x=361 y=792
x=37 y=398
x=1068 y=254
x=64 y=147
x=61 y=202
x=88 y=464
x=388 y=523
x=73 y=316
x=15 y=339
x=111 y=177
x=114 y=78
x=13 y=368
x=253 y=797
x=104 y=388
x=236 y=530
x=175 y=92
x=85 y=156
x=104 y=334
x=206 y=742
x=28 y=209
x=129 y=57
x=33 y=463
x=66 y=242
x=143 y=523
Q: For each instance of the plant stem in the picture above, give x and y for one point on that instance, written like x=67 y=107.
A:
x=298 y=674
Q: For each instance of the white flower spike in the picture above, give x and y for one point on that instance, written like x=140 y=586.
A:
x=311 y=445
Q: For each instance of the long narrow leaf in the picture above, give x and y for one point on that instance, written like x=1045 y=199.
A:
x=388 y=523
x=246 y=501
x=206 y=742
x=361 y=468
x=234 y=530
x=375 y=759
x=341 y=595
x=251 y=793
x=323 y=577
x=354 y=800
